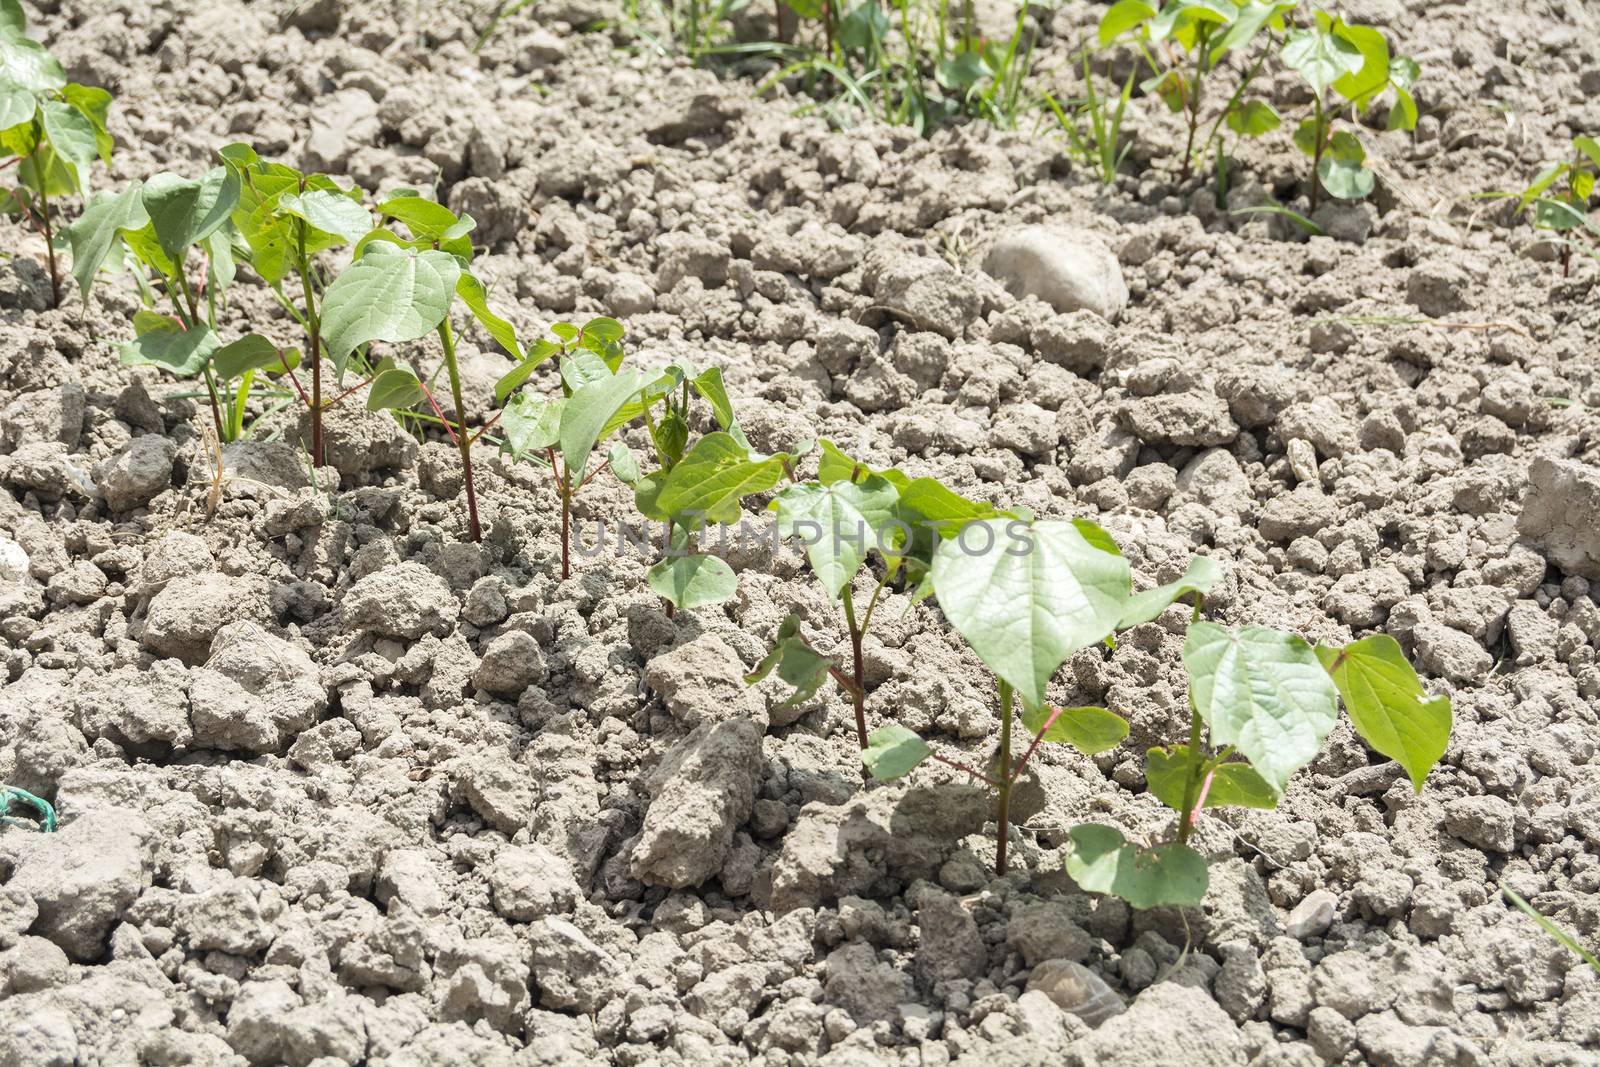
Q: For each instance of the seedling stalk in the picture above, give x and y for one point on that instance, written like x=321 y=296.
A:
x=464 y=443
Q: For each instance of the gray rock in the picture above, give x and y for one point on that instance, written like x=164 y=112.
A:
x=1561 y=513
x=1486 y=822
x=1076 y=989
x=1168 y=1023
x=702 y=681
x=132 y=477
x=701 y=793
x=403 y=600
x=83 y=879
x=1068 y=269
x=189 y=611
x=1199 y=418
x=1448 y=653
x=255 y=692
x=1313 y=915
x=949 y=945
x=529 y=882
x=836 y=850
x=512 y=662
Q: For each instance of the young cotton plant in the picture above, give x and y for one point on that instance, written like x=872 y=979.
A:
x=693 y=486
x=51 y=131
x=598 y=396
x=168 y=226
x=1271 y=698
x=1185 y=44
x=1560 y=194
x=402 y=287
x=1261 y=701
x=1025 y=596
x=1347 y=67
x=285 y=219
x=843 y=515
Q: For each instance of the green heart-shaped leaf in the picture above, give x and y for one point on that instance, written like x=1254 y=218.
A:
x=1102 y=861
x=1387 y=704
x=390 y=294
x=893 y=751
x=690 y=582
x=1027 y=597
x=1263 y=692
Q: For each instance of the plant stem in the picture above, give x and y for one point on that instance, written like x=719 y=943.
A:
x=1192 y=781
x=314 y=327
x=50 y=247
x=190 y=321
x=1004 y=784
x=565 y=493
x=1193 y=109
x=859 y=693
x=1316 y=158
x=216 y=405
x=462 y=441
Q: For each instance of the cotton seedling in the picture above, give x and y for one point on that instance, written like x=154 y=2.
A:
x=1025 y=596
x=693 y=486
x=164 y=225
x=1346 y=66
x=1261 y=701
x=285 y=220
x=844 y=515
x=598 y=396
x=51 y=131
x=401 y=287
x=1184 y=43
x=1560 y=194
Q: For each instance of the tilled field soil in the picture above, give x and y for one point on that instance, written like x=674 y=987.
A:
x=339 y=787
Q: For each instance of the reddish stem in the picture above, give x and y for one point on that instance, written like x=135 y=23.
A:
x=485 y=427
x=354 y=388
x=958 y=765
x=434 y=404
x=1037 y=738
